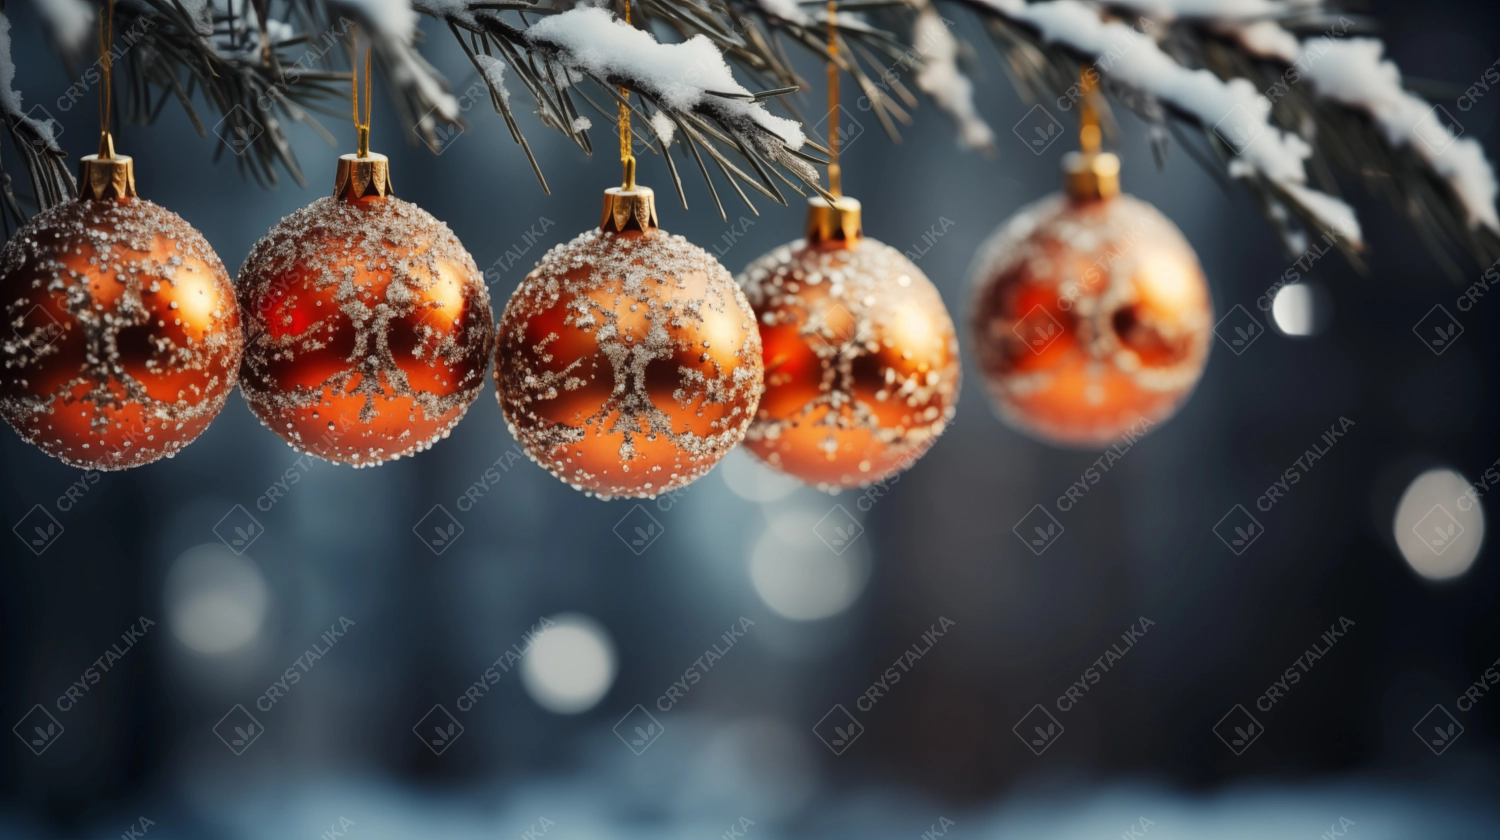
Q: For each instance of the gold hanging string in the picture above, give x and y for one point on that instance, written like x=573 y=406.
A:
x=1090 y=137
x=106 y=37
x=363 y=127
x=835 y=177
x=627 y=146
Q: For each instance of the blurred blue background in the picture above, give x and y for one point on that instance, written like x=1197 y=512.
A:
x=744 y=748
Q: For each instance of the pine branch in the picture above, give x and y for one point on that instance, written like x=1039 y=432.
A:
x=248 y=63
x=1044 y=63
x=552 y=62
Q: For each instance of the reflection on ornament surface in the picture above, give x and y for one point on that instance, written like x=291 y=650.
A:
x=1089 y=316
x=628 y=362
x=124 y=338
x=861 y=358
x=369 y=329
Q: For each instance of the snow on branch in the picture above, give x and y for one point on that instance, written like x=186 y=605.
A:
x=34 y=139
x=1353 y=73
x=690 y=76
x=426 y=100
x=69 y=22
x=696 y=100
x=1136 y=61
x=940 y=78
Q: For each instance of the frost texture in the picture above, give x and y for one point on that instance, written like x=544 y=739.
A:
x=381 y=300
x=884 y=294
x=628 y=365
x=117 y=377
x=1121 y=281
x=682 y=77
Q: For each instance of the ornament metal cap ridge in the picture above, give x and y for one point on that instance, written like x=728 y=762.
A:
x=1092 y=176
x=629 y=208
x=364 y=175
x=106 y=175
x=837 y=222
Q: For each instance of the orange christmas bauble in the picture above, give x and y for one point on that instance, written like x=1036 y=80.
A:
x=124 y=338
x=861 y=358
x=368 y=325
x=1091 y=316
x=627 y=362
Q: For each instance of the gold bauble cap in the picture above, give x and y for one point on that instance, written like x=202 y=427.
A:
x=359 y=176
x=106 y=175
x=1091 y=177
x=632 y=208
x=835 y=222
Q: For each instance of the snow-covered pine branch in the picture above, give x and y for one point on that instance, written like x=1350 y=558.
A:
x=695 y=98
x=1349 y=71
x=940 y=78
x=1271 y=156
x=423 y=96
x=33 y=139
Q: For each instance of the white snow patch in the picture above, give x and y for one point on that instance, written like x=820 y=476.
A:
x=395 y=19
x=10 y=98
x=1267 y=39
x=941 y=79
x=494 y=74
x=786 y=10
x=1353 y=73
x=69 y=21
x=663 y=127
x=680 y=75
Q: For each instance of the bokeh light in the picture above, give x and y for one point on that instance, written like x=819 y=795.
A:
x=570 y=666
x=1438 y=528
x=750 y=479
x=1300 y=309
x=801 y=577
x=215 y=602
